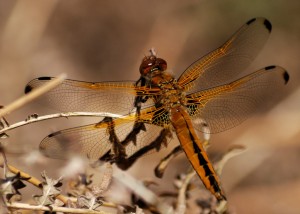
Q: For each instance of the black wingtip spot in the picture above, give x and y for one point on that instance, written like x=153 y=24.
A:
x=28 y=89
x=270 y=67
x=250 y=21
x=44 y=78
x=268 y=25
x=286 y=77
x=54 y=134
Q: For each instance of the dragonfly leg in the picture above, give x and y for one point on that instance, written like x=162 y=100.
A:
x=125 y=163
x=131 y=137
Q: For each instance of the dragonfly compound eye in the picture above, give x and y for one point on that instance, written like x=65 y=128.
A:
x=151 y=63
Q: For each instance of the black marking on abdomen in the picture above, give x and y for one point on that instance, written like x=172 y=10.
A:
x=207 y=170
x=201 y=158
x=214 y=183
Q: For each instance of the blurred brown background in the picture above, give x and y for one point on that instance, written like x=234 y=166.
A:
x=106 y=40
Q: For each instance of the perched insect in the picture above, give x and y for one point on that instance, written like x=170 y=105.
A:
x=158 y=105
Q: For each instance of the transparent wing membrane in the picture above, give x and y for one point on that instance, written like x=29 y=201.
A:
x=225 y=63
x=95 y=140
x=226 y=106
x=72 y=95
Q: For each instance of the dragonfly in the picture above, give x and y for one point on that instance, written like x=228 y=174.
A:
x=157 y=107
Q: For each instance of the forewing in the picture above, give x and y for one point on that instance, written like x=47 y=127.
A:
x=225 y=63
x=72 y=96
x=226 y=106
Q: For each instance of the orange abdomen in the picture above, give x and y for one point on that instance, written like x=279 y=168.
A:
x=194 y=151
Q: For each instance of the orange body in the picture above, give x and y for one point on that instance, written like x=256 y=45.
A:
x=173 y=101
x=194 y=151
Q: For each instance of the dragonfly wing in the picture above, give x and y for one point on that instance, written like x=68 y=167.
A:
x=95 y=141
x=225 y=63
x=226 y=106
x=72 y=95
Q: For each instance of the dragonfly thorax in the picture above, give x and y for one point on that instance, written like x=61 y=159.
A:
x=172 y=94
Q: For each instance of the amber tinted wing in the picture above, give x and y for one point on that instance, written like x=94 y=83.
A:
x=95 y=140
x=225 y=63
x=72 y=95
x=226 y=106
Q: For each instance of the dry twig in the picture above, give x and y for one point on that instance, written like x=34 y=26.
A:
x=57 y=115
x=32 y=95
x=23 y=206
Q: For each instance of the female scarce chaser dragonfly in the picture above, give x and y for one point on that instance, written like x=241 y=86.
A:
x=158 y=105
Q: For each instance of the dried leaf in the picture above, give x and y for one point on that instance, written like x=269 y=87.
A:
x=89 y=201
x=10 y=186
x=50 y=190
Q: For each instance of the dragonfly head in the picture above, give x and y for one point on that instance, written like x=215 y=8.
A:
x=151 y=64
